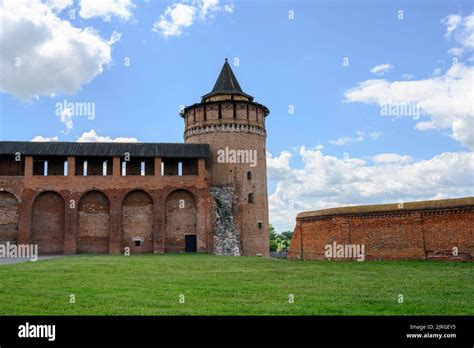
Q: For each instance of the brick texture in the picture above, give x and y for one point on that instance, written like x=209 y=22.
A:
x=427 y=231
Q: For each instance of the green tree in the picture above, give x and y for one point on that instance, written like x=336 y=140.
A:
x=279 y=242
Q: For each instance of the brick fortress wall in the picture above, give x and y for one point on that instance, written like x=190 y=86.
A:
x=441 y=229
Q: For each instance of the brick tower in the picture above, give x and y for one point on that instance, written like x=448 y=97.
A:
x=234 y=126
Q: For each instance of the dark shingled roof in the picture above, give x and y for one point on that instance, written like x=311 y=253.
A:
x=227 y=83
x=105 y=149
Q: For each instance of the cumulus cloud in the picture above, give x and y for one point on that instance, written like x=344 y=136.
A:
x=181 y=15
x=326 y=181
x=381 y=69
x=93 y=137
x=460 y=30
x=106 y=9
x=59 y=5
x=40 y=138
x=446 y=99
x=44 y=55
x=391 y=158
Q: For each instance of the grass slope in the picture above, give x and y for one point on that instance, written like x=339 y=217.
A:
x=217 y=285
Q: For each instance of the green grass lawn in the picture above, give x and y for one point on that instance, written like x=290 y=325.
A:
x=218 y=285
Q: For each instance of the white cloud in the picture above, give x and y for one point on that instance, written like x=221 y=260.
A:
x=456 y=51
x=360 y=136
x=342 y=141
x=40 y=138
x=375 y=135
x=326 y=181
x=391 y=158
x=381 y=69
x=93 y=137
x=106 y=9
x=408 y=76
x=59 y=5
x=461 y=30
x=446 y=99
x=43 y=55
x=66 y=118
x=175 y=19
x=181 y=15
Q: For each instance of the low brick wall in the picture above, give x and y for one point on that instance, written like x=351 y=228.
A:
x=441 y=229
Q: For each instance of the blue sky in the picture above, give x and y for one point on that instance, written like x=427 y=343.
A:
x=336 y=149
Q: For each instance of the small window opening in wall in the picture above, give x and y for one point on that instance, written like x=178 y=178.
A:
x=205 y=113
x=247 y=111
x=194 y=115
x=180 y=168
x=220 y=111
x=84 y=168
x=234 y=110
x=260 y=225
x=249 y=175
x=142 y=168
x=124 y=168
x=45 y=168
x=162 y=168
x=65 y=168
x=137 y=242
x=250 y=198
x=104 y=168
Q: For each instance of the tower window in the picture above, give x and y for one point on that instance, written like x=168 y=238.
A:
x=260 y=225
x=250 y=198
x=249 y=175
x=194 y=115
x=235 y=110
x=205 y=113
x=247 y=111
x=220 y=111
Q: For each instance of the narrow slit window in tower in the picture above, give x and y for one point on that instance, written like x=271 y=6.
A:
x=250 y=198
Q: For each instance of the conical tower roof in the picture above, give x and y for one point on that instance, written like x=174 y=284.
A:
x=227 y=83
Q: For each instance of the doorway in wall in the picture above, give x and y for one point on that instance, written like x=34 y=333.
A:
x=190 y=243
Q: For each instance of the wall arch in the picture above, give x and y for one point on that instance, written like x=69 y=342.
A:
x=9 y=214
x=137 y=222
x=93 y=223
x=47 y=226
x=180 y=220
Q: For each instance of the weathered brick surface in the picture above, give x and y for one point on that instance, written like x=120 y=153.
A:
x=426 y=231
x=70 y=214
x=181 y=221
x=8 y=218
x=137 y=222
x=244 y=132
x=93 y=223
x=48 y=223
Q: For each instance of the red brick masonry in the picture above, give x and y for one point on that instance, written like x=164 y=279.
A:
x=441 y=229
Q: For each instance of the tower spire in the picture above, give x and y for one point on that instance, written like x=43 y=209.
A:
x=227 y=83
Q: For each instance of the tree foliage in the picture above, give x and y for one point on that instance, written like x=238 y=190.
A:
x=279 y=241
